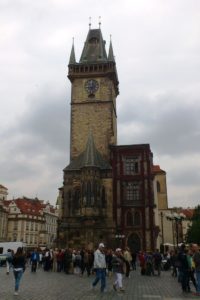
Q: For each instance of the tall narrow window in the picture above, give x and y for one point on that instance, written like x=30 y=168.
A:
x=158 y=186
x=27 y=225
x=15 y=226
x=103 y=197
x=129 y=191
x=84 y=189
x=129 y=219
x=88 y=193
x=137 y=218
x=77 y=199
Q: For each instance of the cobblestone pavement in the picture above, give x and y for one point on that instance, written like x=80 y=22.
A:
x=59 y=286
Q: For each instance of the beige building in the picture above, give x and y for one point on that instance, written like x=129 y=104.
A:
x=173 y=223
x=51 y=217
x=31 y=221
x=3 y=192
x=161 y=207
x=3 y=213
x=3 y=221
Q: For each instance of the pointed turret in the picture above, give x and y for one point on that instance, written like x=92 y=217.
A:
x=72 y=59
x=90 y=157
x=110 y=53
x=94 y=48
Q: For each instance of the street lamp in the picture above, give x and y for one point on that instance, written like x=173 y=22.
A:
x=177 y=218
x=162 y=229
x=119 y=237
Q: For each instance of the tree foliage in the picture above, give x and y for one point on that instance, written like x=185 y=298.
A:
x=193 y=233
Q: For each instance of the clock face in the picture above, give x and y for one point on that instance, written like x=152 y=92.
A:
x=91 y=86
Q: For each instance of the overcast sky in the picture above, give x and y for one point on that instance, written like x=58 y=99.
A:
x=157 y=48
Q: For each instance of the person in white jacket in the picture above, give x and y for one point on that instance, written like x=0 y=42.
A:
x=100 y=267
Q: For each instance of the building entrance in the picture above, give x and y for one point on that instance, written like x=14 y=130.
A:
x=134 y=243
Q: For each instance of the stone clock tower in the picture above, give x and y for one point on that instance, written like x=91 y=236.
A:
x=108 y=192
x=87 y=206
x=94 y=91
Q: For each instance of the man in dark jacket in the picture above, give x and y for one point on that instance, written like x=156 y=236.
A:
x=183 y=269
x=34 y=260
x=157 y=258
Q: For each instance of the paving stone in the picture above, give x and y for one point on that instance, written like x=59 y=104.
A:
x=59 y=286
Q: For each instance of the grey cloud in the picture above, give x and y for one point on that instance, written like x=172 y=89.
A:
x=184 y=197
x=46 y=120
x=38 y=144
x=158 y=64
x=171 y=129
x=185 y=176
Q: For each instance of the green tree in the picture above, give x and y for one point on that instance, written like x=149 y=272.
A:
x=193 y=233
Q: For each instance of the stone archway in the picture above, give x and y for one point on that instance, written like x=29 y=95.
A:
x=134 y=242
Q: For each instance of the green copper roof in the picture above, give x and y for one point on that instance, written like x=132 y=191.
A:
x=90 y=157
x=94 y=48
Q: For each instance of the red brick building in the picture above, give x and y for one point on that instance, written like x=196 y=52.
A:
x=133 y=208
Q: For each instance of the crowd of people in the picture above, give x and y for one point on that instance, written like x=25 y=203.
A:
x=184 y=264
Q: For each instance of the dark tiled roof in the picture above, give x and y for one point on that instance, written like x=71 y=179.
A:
x=188 y=212
x=29 y=206
x=91 y=157
x=94 y=48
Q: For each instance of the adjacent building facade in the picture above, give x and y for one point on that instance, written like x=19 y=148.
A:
x=3 y=213
x=31 y=221
x=133 y=208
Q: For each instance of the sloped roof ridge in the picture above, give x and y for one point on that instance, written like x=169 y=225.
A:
x=72 y=59
x=90 y=157
x=157 y=169
x=110 y=53
x=1 y=186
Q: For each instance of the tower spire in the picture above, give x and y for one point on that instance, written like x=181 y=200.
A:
x=99 y=22
x=110 y=52
x=90 y=23
x=94 y=47
x=72 y=59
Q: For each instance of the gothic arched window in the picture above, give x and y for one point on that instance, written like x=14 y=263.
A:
x=137 y=220
x=129 y=219
x=84 y=194
x=89 y=193
x=69 y=200
x=103 y=197
x=95 y=192
x=77 y=199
